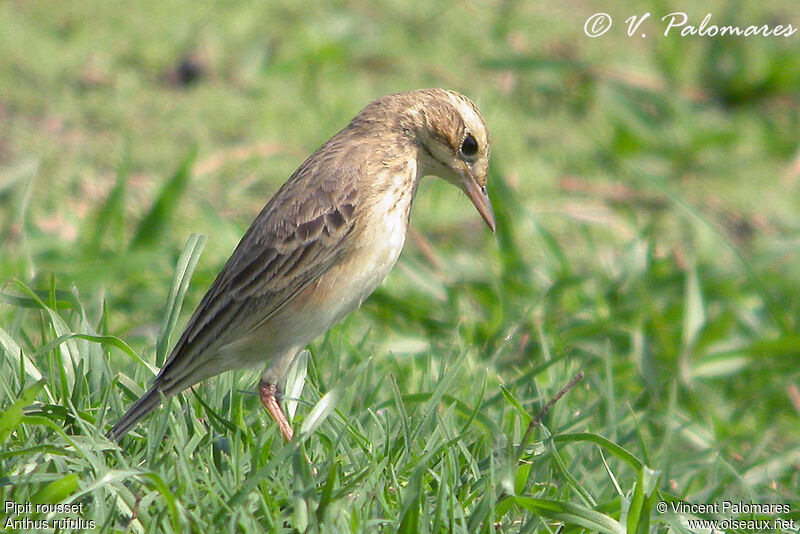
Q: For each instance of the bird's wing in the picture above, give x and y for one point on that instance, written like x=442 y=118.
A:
x=300 y=234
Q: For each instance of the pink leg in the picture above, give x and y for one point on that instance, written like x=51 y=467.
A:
x=268 y=393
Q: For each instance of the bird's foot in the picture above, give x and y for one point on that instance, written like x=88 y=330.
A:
x=269 y=397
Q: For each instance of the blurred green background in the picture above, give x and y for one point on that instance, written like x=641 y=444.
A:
x=647 y=200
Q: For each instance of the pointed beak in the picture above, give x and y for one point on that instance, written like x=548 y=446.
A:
x=479 y=198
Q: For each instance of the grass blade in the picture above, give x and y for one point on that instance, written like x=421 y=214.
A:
x=180 y=283
x=156 y=220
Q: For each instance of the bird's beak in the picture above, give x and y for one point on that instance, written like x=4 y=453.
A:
x=479 y=198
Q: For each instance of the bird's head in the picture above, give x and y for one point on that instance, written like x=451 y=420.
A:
x=454 y=145
x=448 y=134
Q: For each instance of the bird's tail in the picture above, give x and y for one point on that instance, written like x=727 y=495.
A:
x=146 y=404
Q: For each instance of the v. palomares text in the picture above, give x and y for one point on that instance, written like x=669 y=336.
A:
x=679 y=23
x=727 y=507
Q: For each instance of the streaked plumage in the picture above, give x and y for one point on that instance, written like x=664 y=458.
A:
x=325 y=241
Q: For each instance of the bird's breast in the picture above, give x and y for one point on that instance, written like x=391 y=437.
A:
x=376 y=242
x=370 y=253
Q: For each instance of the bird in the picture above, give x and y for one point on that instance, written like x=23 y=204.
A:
x=324 y=242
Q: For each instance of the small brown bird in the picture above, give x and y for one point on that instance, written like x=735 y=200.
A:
x=325 y=241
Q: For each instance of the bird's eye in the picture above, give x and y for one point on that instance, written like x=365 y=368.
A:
x=469 y=147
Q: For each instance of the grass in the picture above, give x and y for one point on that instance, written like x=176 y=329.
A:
x=646 y=199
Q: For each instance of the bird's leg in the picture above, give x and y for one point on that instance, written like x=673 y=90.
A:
x=269 y=397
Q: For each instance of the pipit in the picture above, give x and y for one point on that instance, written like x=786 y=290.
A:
x=324 y=242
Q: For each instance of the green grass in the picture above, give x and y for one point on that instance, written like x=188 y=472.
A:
x=646 y=194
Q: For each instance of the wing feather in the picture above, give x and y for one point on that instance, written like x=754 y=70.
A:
x=301 y=232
